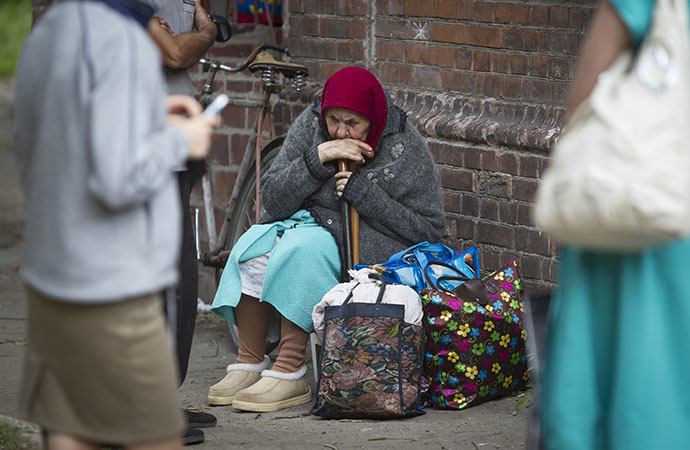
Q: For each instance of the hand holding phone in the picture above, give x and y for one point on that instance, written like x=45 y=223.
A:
x=216 y=105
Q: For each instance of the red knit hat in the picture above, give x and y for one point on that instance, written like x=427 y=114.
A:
x=358 y=90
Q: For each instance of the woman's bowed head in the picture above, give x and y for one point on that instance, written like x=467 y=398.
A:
x=354 y=110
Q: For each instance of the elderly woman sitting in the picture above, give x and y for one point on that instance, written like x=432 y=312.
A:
x=289 y=261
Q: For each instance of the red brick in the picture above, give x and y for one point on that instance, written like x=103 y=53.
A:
x=483 y=12
x=464 y=10
x=524 y=188
x=539 y=16
x=507 y=212
x=549 y=271
x=355 y=7
x=307 y=25
x=457 y=179
x=531 y=241
x=490 y=260
x=429 y=8
x=234 y=116
x=223 y=181
x=451 y=201
x=512 y=87
x=520 y=14
x=413 y=8
x=493 y=87
x=495 y=234
x=446 y=56
x=503 y=12
x=560 y=68
x=488 y=209
x=531 y=166
x=463 y=58
x=500 y=62
x=238 y=145
x=558 y=16
x=446 y=9
x=490 y=160
x=412 y=52
x=465 y=229
x=351 y=51
x=524 y=215
x=429 y=56
x=392 y=7
x=448 y=32
x=530 y=267
x=539 y=66
x=395 y=29
x=481 y=61
x=577 y=19
x=470 y=205
x=485 y=36
x=332 y=27
x=295 y=6
x=472 y=158
x=219 y=149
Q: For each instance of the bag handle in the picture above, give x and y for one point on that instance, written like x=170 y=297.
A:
x=461 y=276
x=471 y=289
x=379 y=298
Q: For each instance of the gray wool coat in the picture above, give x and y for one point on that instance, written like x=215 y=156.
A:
x=397 y=192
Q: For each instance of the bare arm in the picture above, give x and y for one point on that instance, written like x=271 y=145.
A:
x=180 y=51
x=608 y=37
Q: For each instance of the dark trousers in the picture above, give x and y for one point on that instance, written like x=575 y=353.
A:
x=188 y=287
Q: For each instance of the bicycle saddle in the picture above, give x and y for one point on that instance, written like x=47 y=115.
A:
x=265 y=60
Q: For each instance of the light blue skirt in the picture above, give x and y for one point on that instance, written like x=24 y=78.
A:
x=617 y=366
x=302 y=267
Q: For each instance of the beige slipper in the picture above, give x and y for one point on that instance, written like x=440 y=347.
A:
x=239 y=376
x=274 y=391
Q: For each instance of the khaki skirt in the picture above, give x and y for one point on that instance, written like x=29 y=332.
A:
x=100 y=372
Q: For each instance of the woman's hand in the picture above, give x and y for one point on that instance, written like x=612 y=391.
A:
x=341 y=180
x=347 y=148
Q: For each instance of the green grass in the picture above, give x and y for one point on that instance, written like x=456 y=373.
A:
x=11 y=439
x=15 y=23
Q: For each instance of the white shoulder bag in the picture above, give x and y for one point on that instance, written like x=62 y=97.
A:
x=619 y=176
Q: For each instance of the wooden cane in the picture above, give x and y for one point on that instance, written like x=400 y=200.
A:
x=354 y=222
x=347 y=234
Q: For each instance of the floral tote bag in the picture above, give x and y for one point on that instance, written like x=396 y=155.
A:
x=475 y=343
x=371 y=362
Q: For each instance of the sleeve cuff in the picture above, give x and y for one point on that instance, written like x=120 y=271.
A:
x=316 y=169
x=356 y=189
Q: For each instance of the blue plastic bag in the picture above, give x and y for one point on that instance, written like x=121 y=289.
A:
x=407 y=267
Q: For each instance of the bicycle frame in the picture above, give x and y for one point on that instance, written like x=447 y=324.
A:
x=269 y=68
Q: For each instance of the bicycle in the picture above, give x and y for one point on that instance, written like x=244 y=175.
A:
x=244 y=206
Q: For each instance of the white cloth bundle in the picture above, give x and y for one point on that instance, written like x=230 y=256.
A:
x=367 y=292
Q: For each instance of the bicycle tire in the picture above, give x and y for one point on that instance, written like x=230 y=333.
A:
x=243 y=217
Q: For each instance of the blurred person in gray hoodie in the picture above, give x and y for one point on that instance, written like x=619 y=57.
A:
x=97 y=142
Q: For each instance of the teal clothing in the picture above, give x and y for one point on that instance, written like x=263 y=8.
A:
x=617 y=372
x=302 y=267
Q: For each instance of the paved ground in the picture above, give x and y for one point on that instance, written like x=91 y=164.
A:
x=494 y=425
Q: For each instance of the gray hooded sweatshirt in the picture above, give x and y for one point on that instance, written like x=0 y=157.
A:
x=96 y=157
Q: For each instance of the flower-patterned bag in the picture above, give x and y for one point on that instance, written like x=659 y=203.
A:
x=371 y=362
x=475 y=340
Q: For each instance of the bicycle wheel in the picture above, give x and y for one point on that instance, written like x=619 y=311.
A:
x=243 y=217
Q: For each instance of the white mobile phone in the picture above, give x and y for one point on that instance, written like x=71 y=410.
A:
x=216 y=105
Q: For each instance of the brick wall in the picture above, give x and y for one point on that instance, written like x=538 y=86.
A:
x=485 y=81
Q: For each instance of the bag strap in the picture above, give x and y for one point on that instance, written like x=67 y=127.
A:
x=379 y=298
x=461 y=276
x=470 y=289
